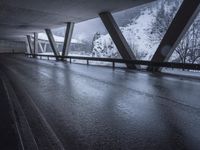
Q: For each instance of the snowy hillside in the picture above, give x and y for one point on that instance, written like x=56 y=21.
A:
x=136 y=36
x=137 y=33
x=103 y=46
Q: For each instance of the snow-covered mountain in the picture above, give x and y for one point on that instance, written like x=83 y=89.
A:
x=138 y=32
x=103 y=46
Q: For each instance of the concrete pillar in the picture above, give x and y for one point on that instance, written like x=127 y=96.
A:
x=29 y=43
x=52 y=42
x=35 y=43
x=118 y=38
x=68 y=37
x=45 y=47
x=179 y=26
x=41 y=48
x=27 y=47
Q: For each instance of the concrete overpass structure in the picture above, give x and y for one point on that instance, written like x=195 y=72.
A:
x=56 y=105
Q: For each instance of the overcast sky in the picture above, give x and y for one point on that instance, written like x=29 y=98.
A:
x=87 y=29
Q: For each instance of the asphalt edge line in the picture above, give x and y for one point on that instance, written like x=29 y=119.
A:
x=13 y=115
x=61 y=147
x=22 y=124
x=45 y=122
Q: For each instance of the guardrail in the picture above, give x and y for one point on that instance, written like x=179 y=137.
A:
x=114 y=61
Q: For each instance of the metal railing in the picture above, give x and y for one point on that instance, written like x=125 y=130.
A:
x=114 y=61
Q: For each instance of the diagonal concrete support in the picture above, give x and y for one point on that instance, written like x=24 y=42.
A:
x=41 y=48
x=30 y=43
x=35 y=51
x=179 y=26
x=52 y=42
x=68 y=37
x=27 y=47
x=118 y=38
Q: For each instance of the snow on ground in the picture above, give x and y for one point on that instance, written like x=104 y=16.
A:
x=84 y=61
x=189 y=73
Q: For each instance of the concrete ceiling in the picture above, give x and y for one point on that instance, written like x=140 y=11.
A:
x=22 y=17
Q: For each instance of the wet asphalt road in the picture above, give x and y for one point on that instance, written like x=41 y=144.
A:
x=8 y=136
x=90 y=107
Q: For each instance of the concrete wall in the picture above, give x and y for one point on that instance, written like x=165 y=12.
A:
x=12 y=46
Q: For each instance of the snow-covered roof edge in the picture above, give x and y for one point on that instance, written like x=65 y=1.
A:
x=60 y=39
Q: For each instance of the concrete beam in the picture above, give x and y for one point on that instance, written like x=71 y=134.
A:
x=68 y=37
x=179 y=26
x=118 y=38
x=52 y=42
x=29 y=43
x=35 y=51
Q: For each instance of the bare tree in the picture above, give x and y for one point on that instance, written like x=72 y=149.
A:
x=189 y=47
x=188 y=50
